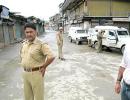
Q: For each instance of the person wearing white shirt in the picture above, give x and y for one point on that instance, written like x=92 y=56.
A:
x=124 y=75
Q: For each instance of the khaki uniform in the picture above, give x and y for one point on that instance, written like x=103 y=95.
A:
x=34 y=55
x=59 y=37
x=99 y=37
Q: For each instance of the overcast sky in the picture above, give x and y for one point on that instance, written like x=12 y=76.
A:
x=40 y=8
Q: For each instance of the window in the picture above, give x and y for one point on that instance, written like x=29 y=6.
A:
x=111 y=33
x=122 y=32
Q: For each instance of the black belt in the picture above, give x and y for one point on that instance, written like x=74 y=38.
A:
x=32 y=69
x=128 y=85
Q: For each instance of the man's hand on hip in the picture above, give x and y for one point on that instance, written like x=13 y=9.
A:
x=48 y=62
x=42 y=70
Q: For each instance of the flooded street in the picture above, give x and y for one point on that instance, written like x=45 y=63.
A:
x=84 y=75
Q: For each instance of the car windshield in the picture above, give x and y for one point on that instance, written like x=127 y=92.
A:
x=122 y=33
x=80 y=31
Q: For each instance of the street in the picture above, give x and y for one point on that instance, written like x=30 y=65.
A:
x=84 y=75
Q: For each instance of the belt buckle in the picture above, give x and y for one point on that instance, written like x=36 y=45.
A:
x=39 y=68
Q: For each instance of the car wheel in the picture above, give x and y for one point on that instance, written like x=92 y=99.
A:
x=122 y=49
x=70 y=39
x=96 y=45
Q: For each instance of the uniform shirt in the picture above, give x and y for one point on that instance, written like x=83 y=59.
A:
x=34 y=54
x=126 y=63
x=99 y=35
x=59 y=38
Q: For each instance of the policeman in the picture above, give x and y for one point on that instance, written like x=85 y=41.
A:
x=35 y=57
x=59 y=38
x=99 y=38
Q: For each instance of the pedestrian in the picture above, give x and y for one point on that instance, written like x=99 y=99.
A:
x=124 y=75
x=99 y=38
x=59 y=38
x=35 y=57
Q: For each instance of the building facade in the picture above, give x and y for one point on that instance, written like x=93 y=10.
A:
x=55 y=21
x=12 y=26
x=89 y=13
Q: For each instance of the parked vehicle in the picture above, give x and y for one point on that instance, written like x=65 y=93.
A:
x=114 y=37
x=72 y=29
x=78 y=35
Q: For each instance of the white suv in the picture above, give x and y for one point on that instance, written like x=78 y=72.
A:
x=114 y=37
x=78 y=35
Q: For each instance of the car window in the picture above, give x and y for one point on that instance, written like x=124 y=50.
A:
x=122 y=32
x=111 y=33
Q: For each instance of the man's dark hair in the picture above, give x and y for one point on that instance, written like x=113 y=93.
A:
x=30 y=25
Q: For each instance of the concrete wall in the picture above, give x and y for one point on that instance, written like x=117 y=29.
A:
x=120 y=8
x=98 y=8
x=108 y=7
x=1 y=37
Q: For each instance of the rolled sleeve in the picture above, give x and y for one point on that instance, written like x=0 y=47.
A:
x=47 y=51
x=123 y=62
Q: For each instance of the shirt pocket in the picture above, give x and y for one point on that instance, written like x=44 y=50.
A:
x=36 y=54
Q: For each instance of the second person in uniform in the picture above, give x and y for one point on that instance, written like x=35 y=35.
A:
x=99 y=38
x=59 y=38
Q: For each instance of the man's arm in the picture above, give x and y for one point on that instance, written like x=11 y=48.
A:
x=120 y=74
x=119 y=78
x=44 y=66
x=49 y=58
x=48 y=62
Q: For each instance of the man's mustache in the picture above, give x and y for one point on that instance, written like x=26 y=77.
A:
x=29 y=36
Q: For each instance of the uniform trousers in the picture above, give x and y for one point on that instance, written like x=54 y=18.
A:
x=33 y=85
x=60 y=53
